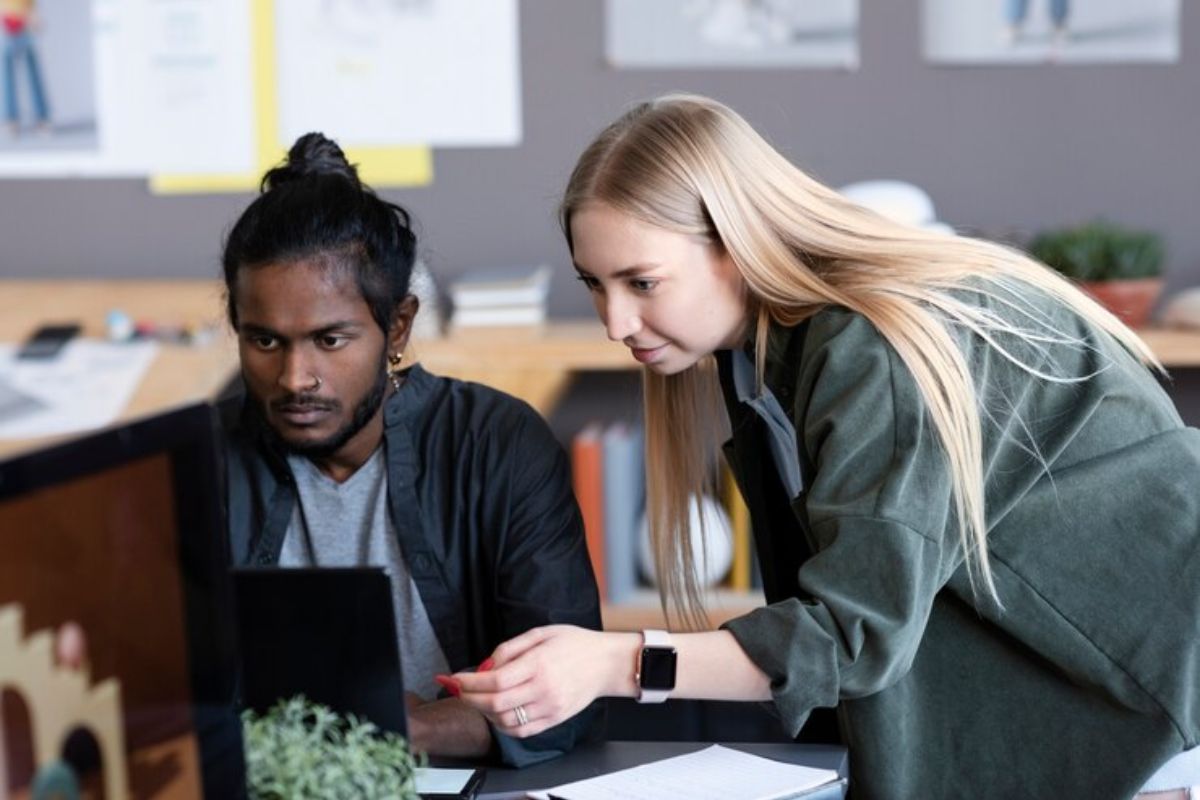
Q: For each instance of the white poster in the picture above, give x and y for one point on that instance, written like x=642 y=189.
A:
x=198 y=92
x=443 y=73
x=733 y=33
x=1051 y=31
x=129 y=87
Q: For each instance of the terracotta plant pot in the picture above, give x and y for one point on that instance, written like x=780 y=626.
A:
x=1130 y=300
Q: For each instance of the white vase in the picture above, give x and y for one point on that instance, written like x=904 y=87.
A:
x=712 y=544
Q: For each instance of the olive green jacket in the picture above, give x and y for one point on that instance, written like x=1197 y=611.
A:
x=1088 y=678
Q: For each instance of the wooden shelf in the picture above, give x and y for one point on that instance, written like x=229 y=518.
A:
x=568 y=344
x=535 y=364
x=644 y=611
x=538 y=364
x=1175 y=348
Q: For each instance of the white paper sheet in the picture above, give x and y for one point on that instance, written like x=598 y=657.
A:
x=440 y=780
x=714 y=773
x=197 y=90
x=400 y=72
x=84 y=388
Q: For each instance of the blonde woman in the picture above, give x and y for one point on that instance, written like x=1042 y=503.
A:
x=977 y=514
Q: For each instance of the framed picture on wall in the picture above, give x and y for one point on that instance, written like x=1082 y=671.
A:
x=48 y=77
x=703 y=34
x=1050 y=31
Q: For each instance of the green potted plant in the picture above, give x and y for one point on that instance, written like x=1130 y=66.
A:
x=1119 y=267
x=300 y=750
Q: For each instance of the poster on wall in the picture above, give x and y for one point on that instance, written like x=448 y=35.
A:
x=444 y=73
x=123 y=87
x=702 y=34
x=1050 y=31
x=194 y=62
x=410 y=165
x=48 y=78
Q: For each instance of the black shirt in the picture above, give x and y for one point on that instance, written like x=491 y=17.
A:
x=479 y=492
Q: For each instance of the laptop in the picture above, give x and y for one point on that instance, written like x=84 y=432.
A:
x=326 y=633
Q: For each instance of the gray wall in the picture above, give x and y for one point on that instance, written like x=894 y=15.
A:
x=1003 y=151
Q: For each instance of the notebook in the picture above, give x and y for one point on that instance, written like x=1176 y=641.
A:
x=326 y=633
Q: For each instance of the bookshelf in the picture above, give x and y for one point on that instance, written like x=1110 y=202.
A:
x=538 y=365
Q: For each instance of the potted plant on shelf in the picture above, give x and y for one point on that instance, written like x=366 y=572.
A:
x=1119 y=267
x=303 y=750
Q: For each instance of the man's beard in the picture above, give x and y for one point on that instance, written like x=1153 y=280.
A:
x=363 y=413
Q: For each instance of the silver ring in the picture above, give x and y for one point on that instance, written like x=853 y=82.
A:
x=522 y=717
x=317 y=382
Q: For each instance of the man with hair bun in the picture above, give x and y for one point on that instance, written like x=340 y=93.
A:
x=341 y=454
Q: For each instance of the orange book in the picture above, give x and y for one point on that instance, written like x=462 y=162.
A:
x=587 y=476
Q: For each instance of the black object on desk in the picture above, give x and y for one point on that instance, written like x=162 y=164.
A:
x=600 y=759
x=326 y=633
x=47 y=341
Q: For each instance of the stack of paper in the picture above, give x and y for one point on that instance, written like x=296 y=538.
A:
x=715 y=773
x=85 y=387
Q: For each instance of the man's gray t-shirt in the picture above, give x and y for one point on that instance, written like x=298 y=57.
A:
x=347 y=525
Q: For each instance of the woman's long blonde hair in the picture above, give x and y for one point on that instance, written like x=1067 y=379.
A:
x=691 y=165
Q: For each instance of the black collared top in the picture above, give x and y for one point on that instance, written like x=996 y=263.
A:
x=480 y=497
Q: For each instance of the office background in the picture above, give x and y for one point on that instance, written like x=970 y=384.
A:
x=1003 y=150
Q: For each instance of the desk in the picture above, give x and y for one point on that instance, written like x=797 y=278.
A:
x=180 y=374
x=535 y=365
x=592 y=760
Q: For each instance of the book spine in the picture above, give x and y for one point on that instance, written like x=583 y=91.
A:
x=624 y=497
x=587 y=475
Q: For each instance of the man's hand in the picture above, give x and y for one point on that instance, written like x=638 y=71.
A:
x=446 y=727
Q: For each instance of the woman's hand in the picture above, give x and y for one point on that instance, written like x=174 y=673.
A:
x=548 y=675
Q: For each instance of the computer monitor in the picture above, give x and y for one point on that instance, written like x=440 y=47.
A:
x=119 y=536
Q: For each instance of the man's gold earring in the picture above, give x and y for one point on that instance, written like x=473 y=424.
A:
x=394 y=369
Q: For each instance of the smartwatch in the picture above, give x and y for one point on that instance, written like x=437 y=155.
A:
x=655 y=668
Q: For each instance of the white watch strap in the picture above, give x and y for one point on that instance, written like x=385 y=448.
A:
x=653 y=638
x=656 y=639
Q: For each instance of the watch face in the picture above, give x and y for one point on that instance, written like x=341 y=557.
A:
x=658 y=668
